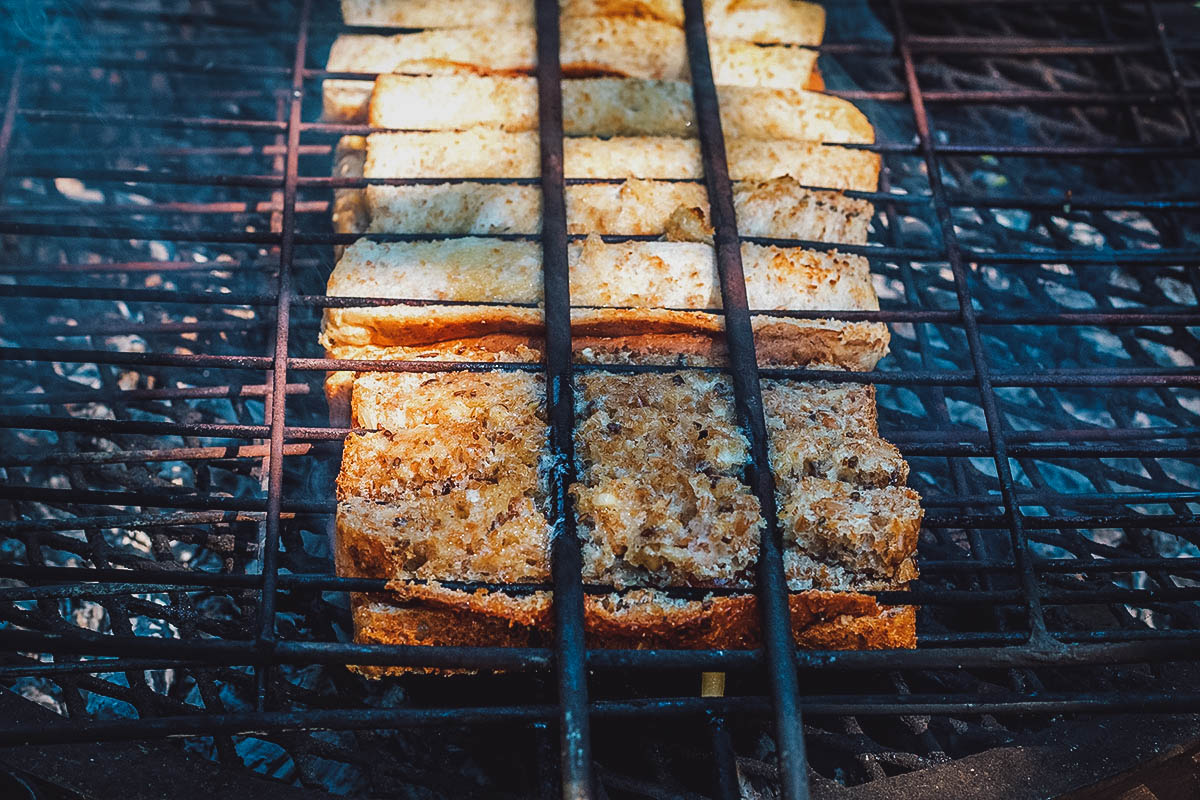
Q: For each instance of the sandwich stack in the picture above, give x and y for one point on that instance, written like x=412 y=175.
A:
x=447 y=481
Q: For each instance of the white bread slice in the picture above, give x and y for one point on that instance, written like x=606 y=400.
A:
x=611 y=107
x=778 y=208
x=482 y=153
x=642 y=274
x=619 y=46
x=765 y=21
x=630 y=288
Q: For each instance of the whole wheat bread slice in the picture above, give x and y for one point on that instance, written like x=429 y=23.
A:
x=461 y=512
x=611 y=107
x=458 y=458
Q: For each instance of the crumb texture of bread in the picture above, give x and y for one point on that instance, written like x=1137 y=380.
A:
x=611 y=107
x=447 y=482
x=488 y=153
x=351 y=213
x=607 y=274
x=448 y=478
x=660 y=500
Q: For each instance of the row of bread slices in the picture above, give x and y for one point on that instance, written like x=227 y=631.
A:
x=635 y=170
x=752 y=42
x=447 y=481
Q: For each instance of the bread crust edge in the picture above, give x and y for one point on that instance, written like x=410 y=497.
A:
x=429 y=615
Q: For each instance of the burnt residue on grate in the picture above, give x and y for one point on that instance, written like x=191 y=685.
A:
x=144 y=156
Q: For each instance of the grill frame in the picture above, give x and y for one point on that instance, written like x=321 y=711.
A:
x=265 y=650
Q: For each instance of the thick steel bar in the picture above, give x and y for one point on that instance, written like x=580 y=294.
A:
x=922 y=595
x=133 y=395
x=724 y=759
x=136 y=521
x=566 y=560
x=91 y=457
x=985 y=650
x=117 y=232
x=151 y=499
x=145 y=176
x=85 y=576
x=134 y=295
x=955 y=442
x=1150 y=257
x=152 y=427
x=148 y=120
x=743 y=366
x=33 y=268
x=951 y=651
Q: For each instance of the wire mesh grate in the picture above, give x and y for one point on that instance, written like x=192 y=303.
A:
x=166 y=466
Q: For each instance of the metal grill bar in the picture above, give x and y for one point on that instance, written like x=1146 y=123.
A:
x=1182 y=96
x=1066 y=580
x=1098 y=202
x=919 y=596
x=778 y=642
x=566 y=561
x=364 y=719
x=1149 y=257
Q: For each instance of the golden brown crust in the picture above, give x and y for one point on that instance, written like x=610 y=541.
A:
x=782 y=341
x=640 y=619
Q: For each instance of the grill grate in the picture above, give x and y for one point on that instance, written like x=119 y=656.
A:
x=166 y=470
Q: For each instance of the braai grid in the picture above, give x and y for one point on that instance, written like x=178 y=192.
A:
x=1038 y=646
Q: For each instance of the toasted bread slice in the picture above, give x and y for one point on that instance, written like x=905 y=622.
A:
x=779 y=208
x=449 y=483
x=611 y=107
x=636 y=620
x=659 y=503
x=483 y=153
x=628 y=288
x=764 y=21
x=617 y=46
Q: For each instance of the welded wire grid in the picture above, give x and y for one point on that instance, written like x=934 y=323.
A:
x=167 y=470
